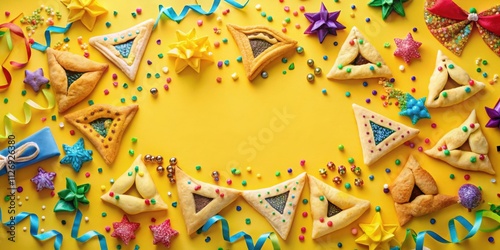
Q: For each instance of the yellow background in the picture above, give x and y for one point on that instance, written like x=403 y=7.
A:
x=202 y=122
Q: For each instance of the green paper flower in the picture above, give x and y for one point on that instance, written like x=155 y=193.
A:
x=71 y=196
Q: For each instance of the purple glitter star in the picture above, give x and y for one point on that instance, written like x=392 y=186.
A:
x=44 y=179
x=35 y=79
x=323 y=23
x=494 y=114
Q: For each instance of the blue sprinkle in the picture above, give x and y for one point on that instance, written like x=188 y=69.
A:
x=339 y=244
x=238 y=208
x=174 y=204
x=365 y=84
x=433 y=221
x=353 y=7
x=367 y=19
x=208 y=239
x=335 y=43
x=485 y=75
x=413 y=78
x=491 y=239
x=415 y=29
x=323 y=91
x=371 y=177
x=290 y=170
x=387 y=170
x=325 y=57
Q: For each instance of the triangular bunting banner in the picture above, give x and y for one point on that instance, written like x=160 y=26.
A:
x=278 y=203
x=199 y=201
x=358 y=59
x=125 y=48
x=332 y=209
x=469 y=135
x=439 y=96
x=72 y=76
x=378 y=134
x=104 y=126
x=259 y=46
x=415 y=193
x=137 y=173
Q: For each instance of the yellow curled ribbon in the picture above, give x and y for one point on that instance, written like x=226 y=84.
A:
x=28 y=104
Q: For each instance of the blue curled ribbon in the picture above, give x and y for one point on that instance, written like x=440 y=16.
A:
x=248 y=239
x=50 y=29
x=34 y=228
x=34 y=224
x=88 y=235
x=170 y=12
x=470 y=228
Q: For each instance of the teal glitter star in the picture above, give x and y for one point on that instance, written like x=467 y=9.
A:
x=415 y=109
x=76 y=155
x=389 y=6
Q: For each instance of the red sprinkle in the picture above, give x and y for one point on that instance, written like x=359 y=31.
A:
x=198 y=187
x=472 y=125
x=471 y=82
x=302 y=163
x=138 y=10
x=286 y=8
x=229 y=182
x=481 y=157
x=7 y=13
x=147 y=202
x=413 y=90
x=321 y=219
x=87 y=174
x=72 y=132
x=434 y=125
x=218 y=79
x=427 y=140
x=304 y=214
x=32 y=41
x=169 y=79
x=111 y=194
x=351 y=42
x=301 y=237
x=283 y=30
x=420 y=149
x=115 y=76
x=467 y=177
x=217 y=191
x=115 y=84
x=166 y=87
x=222 y=195
x=302 y=8
x=106 y=92
x=440 y=68
x=52 y=193
x=153 y=220
x=295 y=13
x=44 y=119
x=329 y=223
x=107 y=228
x=303 y=229
x=216 y=44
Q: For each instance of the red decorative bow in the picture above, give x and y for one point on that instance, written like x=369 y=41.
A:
x=452 y=25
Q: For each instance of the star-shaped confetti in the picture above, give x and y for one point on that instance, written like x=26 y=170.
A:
x=44 y=179
x=70 y=197
x=35 y=79
x=86 y=11
x=415 y=109
x=407 y=48
x=163 y=233
x=76 y=155
x=190 y=51
x=124 y=230
x=376 y=234
x=494 y=114
x=388 y=6
x=323 y=23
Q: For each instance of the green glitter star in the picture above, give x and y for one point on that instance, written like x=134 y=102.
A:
x=388 y=6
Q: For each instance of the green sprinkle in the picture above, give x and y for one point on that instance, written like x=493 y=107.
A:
x=224 y=40
x=444 y=94
x=377 y=208
x=53 y=117
x=287 y=20
x=139 y=88
x=350 y=160
x=130 y=173
x=465 y=129
x=108 y=24
x=387 y=45
x=283 y=72
x=248 y=221
x=5 y=100
x=467 y=89
x=125 y=86
x=91 y=102
x=134 y=14
x=153 y=201
x=451 y=66
x=237 y=172
x=6 y=198
x=379 y=64
x=347 y=94
x=398 y=162
x=347 y=186
x=134 y=139
x=472 y=10
x=226 y=62
x=322 y=198
x=270 y=18
x=340 y=66
x=66 y=39
x=239 y=59
x=361 y=41
x=284 y=60
x=99 y=170
x=148 y=75
x=292 y=66
x=122 y=100
x=23 y=93
x=131 y=152
x=446 y=152
x=198 y=168
x=478 y=70
x=473 y=159
x=134 y=98
x=117 y=197
x=485 y=62
x=157 y=75
x=115 y=13
x=305 y=201
x=136 y=168
x=160 y=55
x=244 y=183
x=452 y=176
x=277 y=173
x=348 y=70
x=341 y=147
x=104 y=214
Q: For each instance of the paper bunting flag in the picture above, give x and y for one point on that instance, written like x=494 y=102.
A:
x=200 y=201
x=332 y=209
x=379 y=135
x=125 y=48
x=464 y=147
x=453 y=26
x=415 y=193
x=137 y=174
x=278 y=203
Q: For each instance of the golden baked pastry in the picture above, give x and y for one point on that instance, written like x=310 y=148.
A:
x=72 y=76
x=358 y=59
x=104 y=126
x=415 y=193
x=259 y=46
x=278 y=203
x=125 y=48
x=444 y=70
x=379 y=135
x=137 y=174
x=464 y=147
x=199 y=201
x=332 y=209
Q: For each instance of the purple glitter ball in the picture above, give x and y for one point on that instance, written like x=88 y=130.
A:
x=470 y=196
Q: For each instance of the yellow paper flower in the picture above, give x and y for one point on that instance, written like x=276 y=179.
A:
x=190 y=51
x=84 y=10
x=377 y=236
